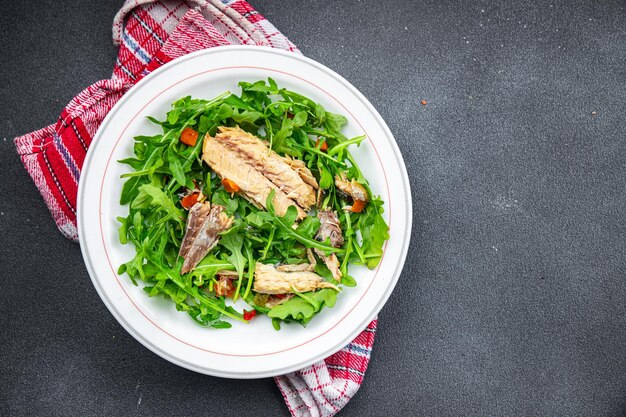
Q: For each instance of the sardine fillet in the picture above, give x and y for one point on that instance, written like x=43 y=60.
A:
x=202 y=233
x=332 y=263
x=268 y=280
x=303 y=171
x=267 y=162
x=196 y=217
x=352 y=188
x=331 y=230
x=252 y=184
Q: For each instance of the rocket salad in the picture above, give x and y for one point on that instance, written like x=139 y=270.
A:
x=255 y=197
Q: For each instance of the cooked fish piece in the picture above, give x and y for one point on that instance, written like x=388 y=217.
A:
x=295 y=267
x=300 y=167
x=197 y=214
x=204 y=226
x=224 y=285
x=252 y=184
x=255 y=153
x=352 y=188
x=268 y=280
x=330 y=229
x=332 y=263
x=273 y=300
x=229 y=274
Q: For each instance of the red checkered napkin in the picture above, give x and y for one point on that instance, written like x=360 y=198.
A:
x=151 y=33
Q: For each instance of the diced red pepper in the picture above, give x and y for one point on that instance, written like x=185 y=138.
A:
x=324 y=146
x=358 y=206
x=189 y=200
x=230 y=186
x=189 y=136
x=249 y=315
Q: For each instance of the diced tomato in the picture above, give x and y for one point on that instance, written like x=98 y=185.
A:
x=189 y=136
x=324 y=146
x=189 y=200
x=358 y=206
x=230 y=186
x=249 y=315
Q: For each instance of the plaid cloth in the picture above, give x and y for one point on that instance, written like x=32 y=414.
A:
x=151 y=33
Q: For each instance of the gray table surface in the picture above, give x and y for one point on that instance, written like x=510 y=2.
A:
x=512 y=300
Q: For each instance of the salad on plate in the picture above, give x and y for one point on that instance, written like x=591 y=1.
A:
x=253 y=197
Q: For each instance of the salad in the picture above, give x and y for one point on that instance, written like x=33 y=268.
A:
x=252 y=197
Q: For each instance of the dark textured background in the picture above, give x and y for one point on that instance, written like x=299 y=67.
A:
x=512 y=301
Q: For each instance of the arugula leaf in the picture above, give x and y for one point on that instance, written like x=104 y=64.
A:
x=176 y=167
x=233 y=241
x=302 y=309
x=374 y=231
x=341 y=146
x=207 y=268
x=246 y=116
x=334 y=122
x=288 y=220
x=300 y=118
x=152 y=196
x=224 y=112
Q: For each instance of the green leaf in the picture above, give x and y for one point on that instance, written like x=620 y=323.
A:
x=334 y=122
x=237 y=103
x=149 y=195
x=302 y=309
x=207 y=268
x=326 y=178
x=233 y=241
x=348 y=281
x=172 y=116
x=341 y=146
x=374 y=231
x=224 y=112
x=309 y=226
x=176 y=167
x=300 y=118
x=220 y=324
x=123 y=230
x=320 y=114
x=204 y=124
x=246 y=116
x=222 y=198
x=288 y=220
x=273 y=85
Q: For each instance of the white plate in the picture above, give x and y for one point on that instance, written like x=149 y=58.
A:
x=246 y=350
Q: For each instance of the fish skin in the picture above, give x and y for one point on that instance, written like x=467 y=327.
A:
x=206 y=237
x=330 y=229
x=195 y=218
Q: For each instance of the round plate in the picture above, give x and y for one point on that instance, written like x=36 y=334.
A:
x=246 y=350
